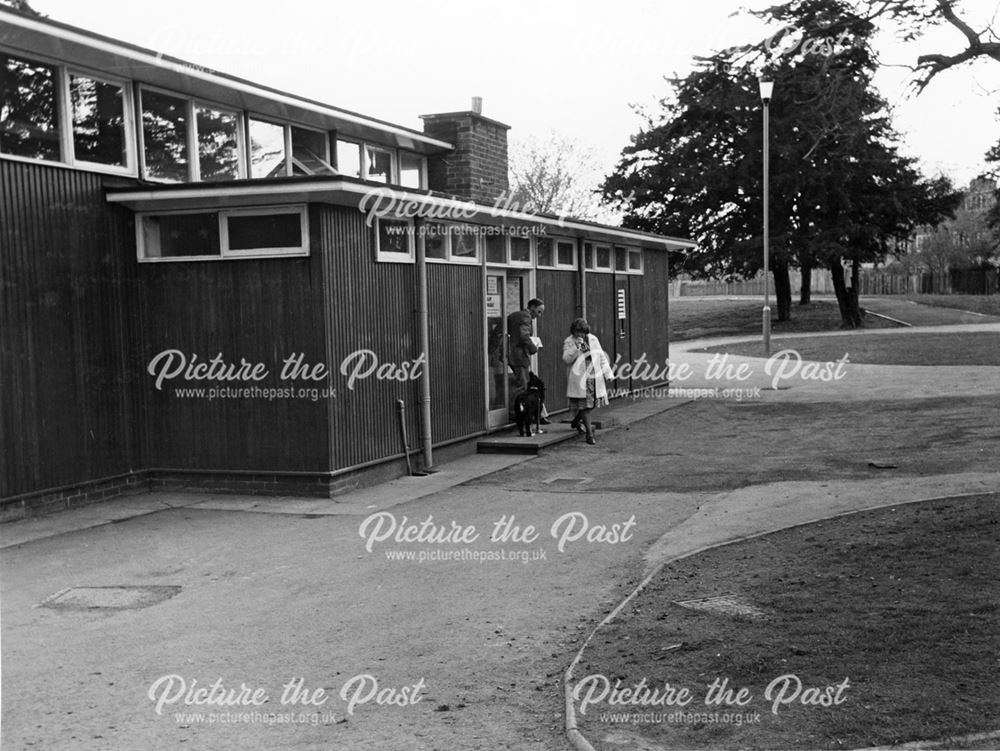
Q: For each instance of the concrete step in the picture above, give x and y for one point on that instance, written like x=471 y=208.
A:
x=509 y=442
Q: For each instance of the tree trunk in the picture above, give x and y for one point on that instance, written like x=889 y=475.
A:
x=782 y=290
x=855 y=291
x=805 y=291
x=844 y=295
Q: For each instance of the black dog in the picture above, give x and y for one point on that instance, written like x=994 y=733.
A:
x=528 y=406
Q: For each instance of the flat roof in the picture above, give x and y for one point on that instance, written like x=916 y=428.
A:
x=374 y=199
x=35 y=36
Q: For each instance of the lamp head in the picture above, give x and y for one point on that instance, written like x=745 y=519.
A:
x=766 y=89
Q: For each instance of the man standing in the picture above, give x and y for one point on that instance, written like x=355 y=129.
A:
x=521 y=345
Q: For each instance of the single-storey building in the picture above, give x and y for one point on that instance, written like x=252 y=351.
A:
x=211 y=283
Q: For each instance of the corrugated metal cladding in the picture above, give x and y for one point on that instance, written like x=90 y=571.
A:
x=560 y=291
x=601 y=310
x=455 y=317
x=371 y=316
x=257 y=310
x=66 y=414
x=648 y=310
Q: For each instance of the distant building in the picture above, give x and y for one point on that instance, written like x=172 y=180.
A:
x=967 y=230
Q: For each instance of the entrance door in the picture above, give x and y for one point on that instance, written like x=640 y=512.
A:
x=506 y=292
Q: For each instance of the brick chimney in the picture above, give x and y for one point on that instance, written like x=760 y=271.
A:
x=477 y=168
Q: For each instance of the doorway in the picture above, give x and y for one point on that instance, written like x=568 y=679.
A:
x=507 y=291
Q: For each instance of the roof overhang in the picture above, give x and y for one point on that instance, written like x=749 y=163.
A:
x=374 y=201
x=41 y=37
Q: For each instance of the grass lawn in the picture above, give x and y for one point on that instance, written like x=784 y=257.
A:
x=901 y=603
x=985 y=304
x=696 y=318
x=886 y=349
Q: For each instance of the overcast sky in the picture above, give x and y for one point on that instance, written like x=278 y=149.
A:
x=540 y=65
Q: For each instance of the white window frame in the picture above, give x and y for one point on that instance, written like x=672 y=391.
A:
x=64 y=118
x=290 y=153
x=538 y=258
x=66 y=107
x=393 y=167
x=191 y=134
x=634 y=251
x=241 y=146
x=423 y=168
x=531 y=252
x=610 y=268
x=225 y=254
x=389 y=257
x=361 y=156
x=555 y=253
x=248 y=143
x=445 y=235
x=452 y=258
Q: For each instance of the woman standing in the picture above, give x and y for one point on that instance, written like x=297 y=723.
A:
x=587 y=370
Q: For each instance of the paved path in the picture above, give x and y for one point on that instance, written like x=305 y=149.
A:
x=268 y=591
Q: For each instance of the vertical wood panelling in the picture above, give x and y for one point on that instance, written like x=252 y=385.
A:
x=559 y=291
x=601 y=309
x=257 y=310
x=370 y=307
x=456 y=331
x=66 y=414
x=649 y=309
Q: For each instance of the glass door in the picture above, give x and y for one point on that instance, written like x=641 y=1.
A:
x=497 y=382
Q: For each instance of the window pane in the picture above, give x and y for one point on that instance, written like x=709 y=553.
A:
x=603 y=257
x=349 y=158
x=173 y=235
x=218 y=154
x=435 y=240
x=378 y=165
x=463 y=241
x=394 y=236
x=635 y=260
x=495 y=249
x=309 y=152
x=98 y=121
x=267 y=149
x=565 y=254
x=621 y=259
x=410 y=170
x=520 y=250
x=264 y=231
x=543 y=246
x=29 y=120
x=164 y=134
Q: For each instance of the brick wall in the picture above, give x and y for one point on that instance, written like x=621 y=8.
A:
x=477 y=168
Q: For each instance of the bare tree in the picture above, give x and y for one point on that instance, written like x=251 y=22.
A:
x=554 y=175
x=916 y=16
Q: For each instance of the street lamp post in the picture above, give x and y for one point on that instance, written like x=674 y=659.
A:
x=766 y=88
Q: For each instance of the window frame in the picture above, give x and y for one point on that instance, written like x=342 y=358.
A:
x=555 y=253
x=474 y=260
x=361 y=160
x=389 y=257
x=64 y=116
x=422 y=177
x=598 y=269
x=191 y=134
x=66 y=111
x=393 y=163
x=225 y=254
x=530 y=263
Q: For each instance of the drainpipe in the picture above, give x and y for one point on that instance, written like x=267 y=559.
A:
x=582 y=266
x=424 y=336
